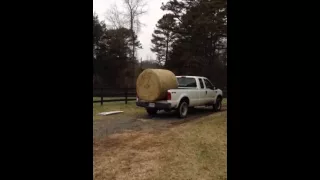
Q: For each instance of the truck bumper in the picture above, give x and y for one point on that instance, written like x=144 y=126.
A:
x=154 y=105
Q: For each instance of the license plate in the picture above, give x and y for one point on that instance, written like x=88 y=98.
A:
x=151 y=105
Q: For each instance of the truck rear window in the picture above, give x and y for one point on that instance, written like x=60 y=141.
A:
x=187 y=82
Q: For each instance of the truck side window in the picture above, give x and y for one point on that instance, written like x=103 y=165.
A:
x=201 y=83
x=187 y=82
x=208 y=84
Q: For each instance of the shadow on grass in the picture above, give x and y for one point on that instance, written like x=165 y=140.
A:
x=172 y=117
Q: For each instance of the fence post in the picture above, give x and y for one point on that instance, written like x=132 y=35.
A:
x=126 y=95
x=101 y=96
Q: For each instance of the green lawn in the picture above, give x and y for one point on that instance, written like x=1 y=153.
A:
x=129 y=109
x=224 y=101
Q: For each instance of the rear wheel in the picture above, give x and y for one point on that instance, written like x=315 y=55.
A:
x=183 y=109
x=217 y=105
x=151 y=111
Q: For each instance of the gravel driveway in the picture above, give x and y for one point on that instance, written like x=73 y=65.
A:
x=163 y=120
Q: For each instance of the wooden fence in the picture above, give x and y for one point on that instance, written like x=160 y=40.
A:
x=122 y=94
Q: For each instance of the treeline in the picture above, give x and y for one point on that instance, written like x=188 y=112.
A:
x=113 y=63
x=115 y=46
x=191 y=38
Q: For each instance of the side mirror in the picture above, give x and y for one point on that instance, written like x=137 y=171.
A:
x=214 y=88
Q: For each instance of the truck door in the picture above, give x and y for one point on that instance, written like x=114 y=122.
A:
x=210 y=93
x=202 y=93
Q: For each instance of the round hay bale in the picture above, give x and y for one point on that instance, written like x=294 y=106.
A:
x=153 y=84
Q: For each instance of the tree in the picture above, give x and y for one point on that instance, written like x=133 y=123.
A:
x=98 y=31
x=115 y=17
x=163 y=37
x=117 y=56
x=134 y=9
x=112 y=53
x=158 y=48
x=200 y=32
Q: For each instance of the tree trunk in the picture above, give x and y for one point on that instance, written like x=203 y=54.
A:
x=133 y=48
x=213 y=46
x=167 y=49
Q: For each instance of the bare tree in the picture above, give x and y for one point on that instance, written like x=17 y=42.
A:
x=134 y=9
x=130 y=18
x=115 y=17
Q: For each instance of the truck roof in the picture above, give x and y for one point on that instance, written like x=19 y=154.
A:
x=191 y=76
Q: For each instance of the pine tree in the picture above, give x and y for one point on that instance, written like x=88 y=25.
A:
x=201 y=30
x=163 y=37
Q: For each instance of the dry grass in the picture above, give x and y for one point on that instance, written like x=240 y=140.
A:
x=129 y=109
x=194 y=150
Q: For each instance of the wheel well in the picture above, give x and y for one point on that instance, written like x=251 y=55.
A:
x=185 y=99
x=219 y=97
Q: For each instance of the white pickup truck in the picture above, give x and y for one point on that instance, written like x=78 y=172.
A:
x=192 y=91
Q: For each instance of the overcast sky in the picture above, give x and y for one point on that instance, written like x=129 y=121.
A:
x=150 y=20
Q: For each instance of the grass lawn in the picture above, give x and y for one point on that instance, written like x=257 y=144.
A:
x=224 y=102
x=129 y=109
x=193 y=150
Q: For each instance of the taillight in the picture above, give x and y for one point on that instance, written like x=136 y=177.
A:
x=169 y=96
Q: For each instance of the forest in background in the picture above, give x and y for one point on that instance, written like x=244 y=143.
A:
x=189 y=39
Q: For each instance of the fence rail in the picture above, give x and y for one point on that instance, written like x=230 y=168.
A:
x=120 y=94
x=125 y=93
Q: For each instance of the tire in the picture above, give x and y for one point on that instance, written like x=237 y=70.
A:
x=217 y=105
x=152 y=112
x=183 y=109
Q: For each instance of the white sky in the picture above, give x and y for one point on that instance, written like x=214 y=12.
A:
x=150 y=20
